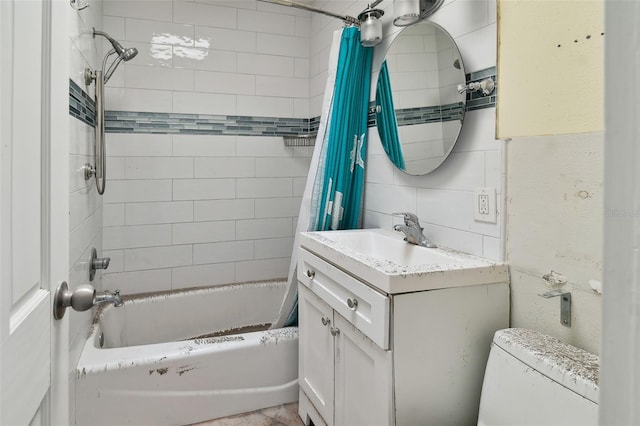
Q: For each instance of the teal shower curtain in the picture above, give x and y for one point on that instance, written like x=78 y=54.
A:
x=333 y=192
x=343 y=180
x=386 y=119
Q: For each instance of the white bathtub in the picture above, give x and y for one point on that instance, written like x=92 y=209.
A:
x=154 y=369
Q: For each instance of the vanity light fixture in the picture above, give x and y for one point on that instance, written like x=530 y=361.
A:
x=370 y=26
x=409 y=12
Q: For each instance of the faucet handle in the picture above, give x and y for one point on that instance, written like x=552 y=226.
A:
x=409 y=219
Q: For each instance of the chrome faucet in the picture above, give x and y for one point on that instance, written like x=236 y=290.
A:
x=413 y=231
x=108 y=297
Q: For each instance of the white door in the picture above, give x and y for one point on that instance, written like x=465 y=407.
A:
x=315 y=355
x=363 y=394
x=25 y=213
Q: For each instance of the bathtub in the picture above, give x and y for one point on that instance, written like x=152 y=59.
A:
x=178 y=358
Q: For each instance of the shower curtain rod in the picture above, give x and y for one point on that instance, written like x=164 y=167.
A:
x=346 y=18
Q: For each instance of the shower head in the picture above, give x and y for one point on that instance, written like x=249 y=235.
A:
x=129 y=54
x=123 y=54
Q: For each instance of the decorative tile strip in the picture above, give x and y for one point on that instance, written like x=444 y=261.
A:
x=204 y=124
x=81 y=105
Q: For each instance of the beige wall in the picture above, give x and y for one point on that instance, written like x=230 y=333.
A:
x=550 y=59
x=550 y=110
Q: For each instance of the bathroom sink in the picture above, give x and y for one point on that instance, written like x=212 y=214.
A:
x=387 y=262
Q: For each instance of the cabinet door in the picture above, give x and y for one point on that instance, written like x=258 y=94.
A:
x=363 y=379
x=316 y=350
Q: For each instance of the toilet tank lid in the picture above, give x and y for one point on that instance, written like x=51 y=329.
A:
x=567 y=365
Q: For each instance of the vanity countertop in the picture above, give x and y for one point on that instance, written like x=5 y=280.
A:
x=385 y=261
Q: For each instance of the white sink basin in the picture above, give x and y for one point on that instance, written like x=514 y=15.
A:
x=384 y=260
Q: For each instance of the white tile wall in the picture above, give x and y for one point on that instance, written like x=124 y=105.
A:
x=193 y=210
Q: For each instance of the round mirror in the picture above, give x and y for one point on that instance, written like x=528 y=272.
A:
x=419 y=112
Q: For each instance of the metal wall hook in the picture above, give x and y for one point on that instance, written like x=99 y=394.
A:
x=76 y=5
x=565 y=304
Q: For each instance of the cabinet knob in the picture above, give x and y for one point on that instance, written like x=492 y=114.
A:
x=334 y=331
x=326 y=321
x=311 y=273
x=352 y=303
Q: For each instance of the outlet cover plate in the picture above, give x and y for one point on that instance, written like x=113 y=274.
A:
x=484 y=205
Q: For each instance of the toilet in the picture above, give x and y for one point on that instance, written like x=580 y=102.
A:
x=535 y=379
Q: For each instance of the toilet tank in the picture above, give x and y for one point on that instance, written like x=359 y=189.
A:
x=535 y=379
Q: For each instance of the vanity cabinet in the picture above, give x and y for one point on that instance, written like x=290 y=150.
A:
x=368 y=357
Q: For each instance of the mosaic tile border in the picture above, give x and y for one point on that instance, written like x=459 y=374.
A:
x=205 y=124
x=82 y=107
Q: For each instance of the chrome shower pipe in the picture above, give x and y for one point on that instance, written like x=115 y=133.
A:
x=100 y=169
x=346 y=18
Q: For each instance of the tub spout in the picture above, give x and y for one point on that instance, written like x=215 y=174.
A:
x=108 y=297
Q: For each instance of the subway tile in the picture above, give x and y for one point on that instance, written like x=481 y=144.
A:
x=302 y=26
x=160 y=78
x=188 y=12
x=479 y=48
x=121 y=99
x=221 y=167
x=204 y=103
x=158 y=167
x=123 y=191
x=223 y=210
x=84 y=235
x=390 y=198
x=113 y=25
x=116 y=260
x=264 y=22
x=282 y=86
x=257 y=146
x=274 y=65
x=138 y=281
x=282 y=167
x=204 y=145
x=272 y=44
x=115 y=168
x=457 y=239
x=228 y=251
x=138 y=145
x=82 y=204
x=271 y=248
x=203 y=275
x=157 y=257
x=277 y=207
x=225 y=39
x=301 y=68
x=434 y=205
x=265 y=106
x=219 y=82
x=203 y=189
x=157 y=213
x=263 y=228
x=492 y=248
x=113 y=214
x=200 y=58
x=462 y=17
x=121 y=237
x=157 y=32
x=264 y=187
x=460 y=171
x=203 y=232
x=299 y=184
x=159 y=10
x=260 y=270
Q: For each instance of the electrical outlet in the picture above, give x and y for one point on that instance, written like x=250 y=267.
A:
x=485 y=208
